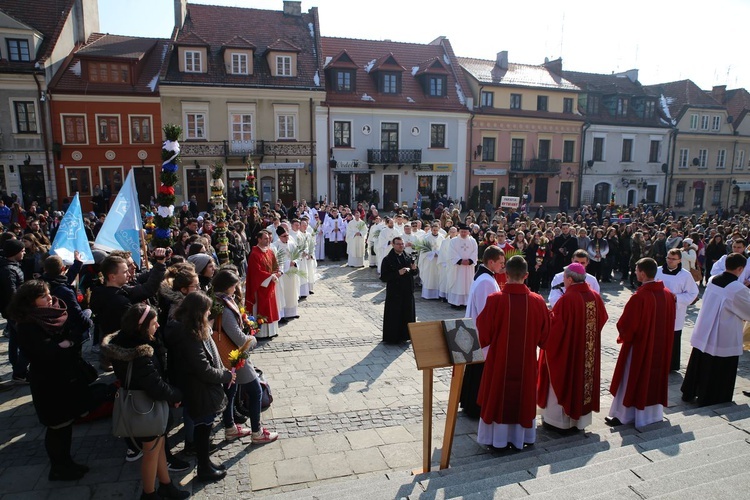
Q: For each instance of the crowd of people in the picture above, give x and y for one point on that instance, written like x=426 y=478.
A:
x=163 y=328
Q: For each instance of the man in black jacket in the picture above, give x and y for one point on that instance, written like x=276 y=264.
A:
x=11 y=278
x=563 y=248
x=78 y=324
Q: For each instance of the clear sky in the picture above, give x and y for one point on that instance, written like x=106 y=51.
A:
x=666 y=40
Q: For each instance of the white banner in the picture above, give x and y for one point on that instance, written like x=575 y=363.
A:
x=509 y=202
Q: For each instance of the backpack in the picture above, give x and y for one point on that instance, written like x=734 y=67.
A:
x=267 y=395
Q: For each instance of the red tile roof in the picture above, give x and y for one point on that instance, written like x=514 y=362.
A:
x=408 y=58
x=239 y=43
x=682 y=95
x=263 y=29
x=738 y=104
x=46 y=16
x=487 y=72
x=152 y=51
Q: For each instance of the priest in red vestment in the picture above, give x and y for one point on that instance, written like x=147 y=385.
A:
x=260 y=295
x=513 y=323
x=640 y=383
x=570 y=360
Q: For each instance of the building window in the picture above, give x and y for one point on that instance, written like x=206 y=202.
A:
x=515 y=101
x=680 y=194
x=437 y=86
x=716 y=123
x=540 y=190
x=592 y=104
x=437 y=135
x=389 y=83
x=622 y=107
x=569 y=151
x=541 y=103
x=389 y=137
x=285 y=127
x=342 y=134
x=598 y=149
x=344 y=81
x=488 y=149
x=488 y=99
x=702 y=158
x=716 y=195
x=649 y=109
x=653 y=152
x=102 y=72
x=721 y=158
x=242 y=127
x=567 y=104
x=544 y=148
x=195 y=126
x=739 y=163
x=193 y=61
x=140 y=129
x=516 y=153
x=627 y=150
x=79 y=181
x=74 y=129
x=108 y=129
x=704 y=122
x=283 y=65
x=684 y=155
x=18 y=50
x=25 y=117
x=239 y=64
x=694 y=122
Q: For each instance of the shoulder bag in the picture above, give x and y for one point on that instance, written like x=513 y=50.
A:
x=223 y=343
x=136 y=415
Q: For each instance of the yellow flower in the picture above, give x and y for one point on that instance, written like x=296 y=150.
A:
x=234 y=356
x=242 y=309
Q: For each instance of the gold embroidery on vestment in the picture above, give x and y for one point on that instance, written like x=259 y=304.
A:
x=589 y=354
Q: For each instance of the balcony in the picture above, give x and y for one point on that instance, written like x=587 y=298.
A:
x=394 y=156
x=536 y=166
x=230 y=149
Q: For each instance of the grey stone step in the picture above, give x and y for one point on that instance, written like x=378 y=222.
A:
x=729 y=488
x=697 y=458
x=385 y=485
x=712 y=471
x=585 y=488
x=686 y=442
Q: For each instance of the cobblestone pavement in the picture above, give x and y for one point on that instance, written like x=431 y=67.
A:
x=345 y=405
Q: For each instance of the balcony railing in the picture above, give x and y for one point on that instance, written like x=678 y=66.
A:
x=394 y=156
x=536 y=166
x=229 y=149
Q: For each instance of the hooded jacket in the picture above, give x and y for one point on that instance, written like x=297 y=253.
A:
x=11 y=278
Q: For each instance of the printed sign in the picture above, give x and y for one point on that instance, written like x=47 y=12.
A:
x=509 y=202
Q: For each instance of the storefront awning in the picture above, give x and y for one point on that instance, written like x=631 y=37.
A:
x=743 y=186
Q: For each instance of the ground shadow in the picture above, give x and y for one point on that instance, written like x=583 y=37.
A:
x=368 y=369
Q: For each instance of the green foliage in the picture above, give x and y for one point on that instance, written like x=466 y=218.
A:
x=217 y=170
x=172 y=132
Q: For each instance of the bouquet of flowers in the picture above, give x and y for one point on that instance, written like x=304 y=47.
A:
x=252 y=323
x=237 y=359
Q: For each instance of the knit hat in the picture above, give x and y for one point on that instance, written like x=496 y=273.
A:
x=575 y=267
x=200 y=261
x=12 y=247
x=99 y=256
x=687 y=241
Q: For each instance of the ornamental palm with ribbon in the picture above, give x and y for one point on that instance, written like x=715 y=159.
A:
x=164 y=217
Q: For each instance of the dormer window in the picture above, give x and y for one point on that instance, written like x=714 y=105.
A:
x=239 y=64
x=18 y=50
x=193 y=61
x=437 y=86
x=283 y=65
x=107 y=72
x=649 y=109
x=344 y=81
x=389 y=83
x=622 y=107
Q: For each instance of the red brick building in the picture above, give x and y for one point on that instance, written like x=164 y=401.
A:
x=106 y=118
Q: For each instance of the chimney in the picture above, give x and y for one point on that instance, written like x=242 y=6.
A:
x=180 y=11
x=631 y=74
x=502 y=59
x=719 y=92
x=292 y=8
x=554 y=66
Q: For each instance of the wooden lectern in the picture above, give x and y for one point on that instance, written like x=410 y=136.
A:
x=430 y=352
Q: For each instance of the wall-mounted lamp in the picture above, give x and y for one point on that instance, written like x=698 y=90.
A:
x=12 y=168
x=478 y=151
x=197 y=165
x=27 y=161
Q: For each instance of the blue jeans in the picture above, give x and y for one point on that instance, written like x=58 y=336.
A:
x=253 y=397
x=17 y=360
x=228 y=415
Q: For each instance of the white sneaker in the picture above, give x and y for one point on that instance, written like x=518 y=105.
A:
x=238 y=431
x=264 y=436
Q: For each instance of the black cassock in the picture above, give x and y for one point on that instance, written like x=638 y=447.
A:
x=399 y=297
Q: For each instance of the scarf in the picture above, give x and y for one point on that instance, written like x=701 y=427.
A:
x=51 y=318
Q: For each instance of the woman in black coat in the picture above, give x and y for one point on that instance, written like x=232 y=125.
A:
x=134 y=345
x=195 y=367
x=59 y=388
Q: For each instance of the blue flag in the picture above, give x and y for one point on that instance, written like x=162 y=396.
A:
x=71 y=236
x=122 y=226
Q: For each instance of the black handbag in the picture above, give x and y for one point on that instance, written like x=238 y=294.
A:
x=136 y=415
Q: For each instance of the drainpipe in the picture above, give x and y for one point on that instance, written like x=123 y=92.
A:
x=731 y=173
x=42 y=103
x=328 y=150
x=312 y=149
x=673 y=136
x=471 y=146
x=581 y=164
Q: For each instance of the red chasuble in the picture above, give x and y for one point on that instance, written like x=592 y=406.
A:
x=647 y=329
x=571 y=357
x=513 y=323
x=501 y=279
x=261 y=265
